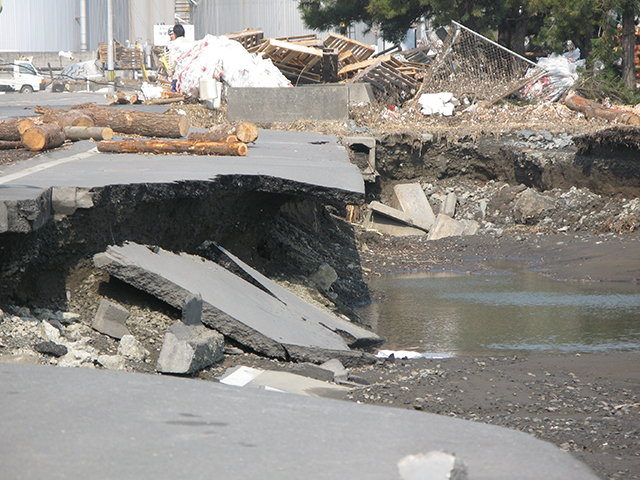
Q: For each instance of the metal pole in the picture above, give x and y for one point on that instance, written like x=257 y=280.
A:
x=110 y=57
x=83 y=26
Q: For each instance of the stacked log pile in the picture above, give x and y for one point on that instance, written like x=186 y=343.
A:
x=91 y=122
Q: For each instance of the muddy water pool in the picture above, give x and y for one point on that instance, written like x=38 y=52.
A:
x=507 y=312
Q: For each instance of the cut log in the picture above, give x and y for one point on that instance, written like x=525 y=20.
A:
x=121 y=98
x=594 y=109
x=24 y=125
x=9 y=130
x=175 y=146
x=74 y=118
x=212 y=137
x=164 y=101
x=43 y=137
x=246 y=132
x=133 y=122
x=87 y=133
x=10 y=145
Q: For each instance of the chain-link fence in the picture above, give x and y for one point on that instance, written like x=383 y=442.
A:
x=473 y=67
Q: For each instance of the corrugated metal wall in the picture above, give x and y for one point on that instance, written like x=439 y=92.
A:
x=97 y=22
x=144 y=14
x=278 y=18
x=39 y=25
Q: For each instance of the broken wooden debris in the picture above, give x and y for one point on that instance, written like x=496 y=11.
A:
x=350 y=51
x=250 y=39
x=269 y=320
x=295 y=61
x=386 y=78
x=121 y=98
x=173 y=146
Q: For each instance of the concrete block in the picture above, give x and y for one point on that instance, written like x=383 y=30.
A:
x=471 y=227
x=433 y=466
x=410 y=198
x=324 y=277
x=395 y=214
x=340 y=374
x=364 y=154
x=63 y=200
x=445 y=226
x=449 y=205
x=112 y=362
x=383 y=224
x=192 y=310
x=111 y=319
x=84 y=198
x=267 y=105
x=189 y=348
x=131 y=348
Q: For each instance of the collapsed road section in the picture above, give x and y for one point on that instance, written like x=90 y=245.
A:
x=272 y=208
x=260 y=315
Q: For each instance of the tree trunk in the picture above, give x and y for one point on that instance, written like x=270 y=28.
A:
x=43 y=137
x=628 y=46
x=10 y=145
x=212 y=137
x=513 y=30
x=9 y=130
x=131 y=122
x=175 y=146
x=24 y=125
x=246 y=132
x=87 y=133
x=74 y=118
x=594 y=109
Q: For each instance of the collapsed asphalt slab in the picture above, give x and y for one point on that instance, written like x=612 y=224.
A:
x=260 y=315
x=145 y=426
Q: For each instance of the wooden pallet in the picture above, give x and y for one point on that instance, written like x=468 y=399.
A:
x=296 y=62
x=117 y=50
x=130 y=59
x=251 y=38
x=384 y=77
x=359 y=51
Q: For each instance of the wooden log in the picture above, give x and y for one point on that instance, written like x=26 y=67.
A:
x=43 y=137
x=134 y=122
x=75 y=118
x=594 y=109
x=24 y=125
x=246 y=132
x=173 y=146
x=9 y=130
x=211 y=137
x=87 y=133
x=10 y=145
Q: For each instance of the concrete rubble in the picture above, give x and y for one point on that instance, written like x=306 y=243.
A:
x=434 y=465
x=413 y=215
x=269 y=320
x=190 y=348
x=110 y=319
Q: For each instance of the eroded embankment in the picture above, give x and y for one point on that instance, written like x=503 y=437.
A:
x=281 y=228
x=604 y=167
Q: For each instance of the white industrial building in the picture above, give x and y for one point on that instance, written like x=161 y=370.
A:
x=54 y=25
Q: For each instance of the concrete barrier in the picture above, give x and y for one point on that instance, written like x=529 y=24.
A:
x=319 y=103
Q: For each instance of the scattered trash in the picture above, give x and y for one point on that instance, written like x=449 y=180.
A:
x=561 y=75
x=443 y=103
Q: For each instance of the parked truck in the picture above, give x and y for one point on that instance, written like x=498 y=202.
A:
x=20 y=76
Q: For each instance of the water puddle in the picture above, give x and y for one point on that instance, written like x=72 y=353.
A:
x=512 y=312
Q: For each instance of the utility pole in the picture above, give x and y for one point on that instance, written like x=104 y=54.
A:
x=83 y=26
x=110 y=60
